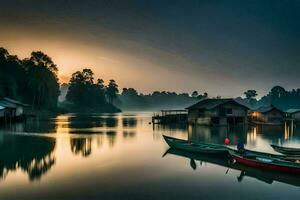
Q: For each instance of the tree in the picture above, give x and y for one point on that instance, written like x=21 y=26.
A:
x=82 y=89
x=250 y=94
x=85 y=95
x=112 y=91
x=42 y=86
x=42 y=60
x=277 y=92
x=250 y=97
x=195 y=94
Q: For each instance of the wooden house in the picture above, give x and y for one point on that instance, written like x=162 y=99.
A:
x=293 y=114
x=267 y=115
x=19 y=106
x=12 y=108
x=217 y=112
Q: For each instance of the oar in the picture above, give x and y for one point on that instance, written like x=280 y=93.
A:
x=227 y=171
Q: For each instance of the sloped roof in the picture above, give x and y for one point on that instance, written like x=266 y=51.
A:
x=14 y=101
x=292 y=110
x=212 y=103
x=7 y=104
x=264 y=109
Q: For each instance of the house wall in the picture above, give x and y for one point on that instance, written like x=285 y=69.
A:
x=203 y=120
x=19 y=111
x=296 y=116
x=2 y=112
x=237 y=110
x=273 y=116
x=204 y=117
x=192 y=116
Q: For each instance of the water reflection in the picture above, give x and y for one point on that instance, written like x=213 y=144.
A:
x=245 y=171
x=81 y=146
x=111 y=136
x=111 y=122
x=34 y=155
x=104 y=153
x=217 y=134
x=129 y=122
x=129 y=134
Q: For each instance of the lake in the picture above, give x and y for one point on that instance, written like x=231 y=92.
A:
x=123 y=156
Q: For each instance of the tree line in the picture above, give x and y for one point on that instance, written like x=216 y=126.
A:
x=131 y=99
x=34 y=80
x=277 y=96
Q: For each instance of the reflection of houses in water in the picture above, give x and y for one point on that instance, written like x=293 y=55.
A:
x=111 y=137
x=130 y=122
x=169 y=129
x=251 y=136
x=129 y=134
x=289 y=130
x=217 y=112
x=217 y=134
x=33 y=155
x=111 y=122
x=274 y=134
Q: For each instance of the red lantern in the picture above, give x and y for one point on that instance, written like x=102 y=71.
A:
x=227 y=141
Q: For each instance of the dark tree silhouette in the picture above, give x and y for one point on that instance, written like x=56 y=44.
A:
x=195 y=94
x=32 y=80
x=85 y=95
x=112 y=91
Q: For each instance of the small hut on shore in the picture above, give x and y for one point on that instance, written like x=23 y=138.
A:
x=217 y=112
x=11 y=109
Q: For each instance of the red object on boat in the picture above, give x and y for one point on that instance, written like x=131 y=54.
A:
x=264 y=165
x=227 y=141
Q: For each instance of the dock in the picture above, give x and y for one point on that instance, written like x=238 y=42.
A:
x=170 y=116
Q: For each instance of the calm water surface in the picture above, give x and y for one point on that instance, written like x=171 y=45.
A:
x=124 y=157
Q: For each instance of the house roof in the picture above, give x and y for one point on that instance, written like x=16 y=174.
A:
x=264 y=109
x=212 y=103
x=14 y=101
x=7 y=104
x=292 y=110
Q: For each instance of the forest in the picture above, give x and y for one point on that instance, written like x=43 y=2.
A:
x=34 y=80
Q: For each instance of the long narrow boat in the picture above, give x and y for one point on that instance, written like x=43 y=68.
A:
x=266 y=161
x=286 y=150
x=195 y=147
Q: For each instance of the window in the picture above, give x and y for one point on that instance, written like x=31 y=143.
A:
x=229 y=111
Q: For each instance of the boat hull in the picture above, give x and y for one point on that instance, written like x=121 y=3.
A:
x=195 y=147
x=286 y=150
x=264 y=165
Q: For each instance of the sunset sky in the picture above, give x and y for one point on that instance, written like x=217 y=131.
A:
x=221 y=47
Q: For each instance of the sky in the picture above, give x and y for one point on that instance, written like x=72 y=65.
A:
x=214 y=46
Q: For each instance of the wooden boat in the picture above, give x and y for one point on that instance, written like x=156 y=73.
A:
x=286 y=150
x=266 y=161
x=195 y=147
